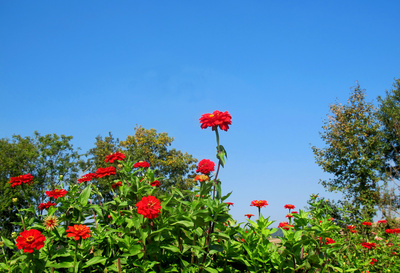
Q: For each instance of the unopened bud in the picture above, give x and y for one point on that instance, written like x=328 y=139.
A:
x=14 y=235
x=1 y=244
x=120 y=166
x=61 y=177
x=15 y=200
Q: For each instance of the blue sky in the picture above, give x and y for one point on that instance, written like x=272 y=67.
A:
x=85 y=68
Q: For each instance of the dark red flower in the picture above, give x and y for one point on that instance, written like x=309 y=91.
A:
x=351 y=227
x=101 y=172
x=382 y=221
x=366 y=223
x=78 y=232
x=30 y=239
x=115 y=156
x=141 y=164
x=205 y=166
x=353 y=231
x=289 y=206
x=26 y=179
x=289 y=215
x=229 y=203
x=117 y=184
x=373 y=261
x=155 y=183
x=369 y=245
x=149 y=207
x=329 y=241
x=217 y=118
x=249 y=215
x=259 y=203
x=56 y=193
x=294 y=212
x=47 y=205
x=87 y=177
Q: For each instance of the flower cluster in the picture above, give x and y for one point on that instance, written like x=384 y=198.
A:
x=29 y=240
x=56 y=193
x=115 y=156
x=352 y=228
x=101 y=172
x=149 y=207
x=259 y=203
x=205 y=166
x=26 y=179
x=141 y=164
x=215 y=120
x=78 y=232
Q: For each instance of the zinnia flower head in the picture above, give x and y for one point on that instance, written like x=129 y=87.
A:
x=229 y=203
x=351 y=227
x=369 y=245
x=78 y=232
x=249 y=215
x=26 y=179
x=201 y=178
x=87 y=177
x=205 y=166
x=382 y=221
x=56 y=193
x=373 y=261
x=50 y=222
x=149 y=207
x=155 y=183
x=289 y=206
x=117 y=184
x=294 y=212
x=29 y=240
x=329 y=241
x=366 y=223
x=101 y=172
x=284 y=225
x=289 y=215
x=141 y=164
x=47 y=205
x=217 y=118
x=259 y=203
x=115 y=156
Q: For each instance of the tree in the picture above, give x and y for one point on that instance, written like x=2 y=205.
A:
x=46 y=158
x=354 y=154
x=177 y=168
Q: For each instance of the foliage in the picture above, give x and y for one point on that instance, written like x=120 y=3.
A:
x=354 y=154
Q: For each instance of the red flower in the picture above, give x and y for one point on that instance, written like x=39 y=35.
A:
x=115 y=156
x=331 y=219
x=56 y=193
x=382 y=222
x=249 y=215
x=47 y=205
x=117 y=184
x=289 y=215
x=284 y=225
x=30 y=239
x=87 y=177
x=141 y=164
x=101 y=172
x=288 y=206
x=351 y=227
x=217 y=118
x=229 y=203
x=149 y=207
x=329 y=241
x=16 y=181
x=373 y=261
x=366 y=223
x=259 y=203
x=155 y=183
x=369 y=245
x=201 y=178
x=353 y=231
x=294 y=212
x=78 y=232
x=205 y=166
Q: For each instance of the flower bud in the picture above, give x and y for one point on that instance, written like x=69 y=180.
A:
x=61 y=177
x=120 y=166
x=1 y=244
x=14 y=235
x=15 y=200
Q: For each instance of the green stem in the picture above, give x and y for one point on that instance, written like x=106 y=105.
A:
x=76 y=254
x=217 y=135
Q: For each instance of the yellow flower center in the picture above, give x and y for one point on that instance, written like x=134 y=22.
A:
x=30 y=239
x=211 y=115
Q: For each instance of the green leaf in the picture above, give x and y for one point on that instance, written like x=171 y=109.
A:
x=211 y=270
x=84 y=196
x=95 y=260
x=60 y=265
x=184 y=223
x=7 y=242
x=172 y=248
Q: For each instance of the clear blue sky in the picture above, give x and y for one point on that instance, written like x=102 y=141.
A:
x=84 y=68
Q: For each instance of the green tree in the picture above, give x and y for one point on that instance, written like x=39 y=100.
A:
x=177 y=168
x=46 y=158
x=354 y=154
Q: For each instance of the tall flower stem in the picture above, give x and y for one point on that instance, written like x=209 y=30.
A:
x=76 y=254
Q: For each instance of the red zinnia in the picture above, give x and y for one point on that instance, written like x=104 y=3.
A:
x=284 y=225
x=382 y=222
x=366 y=223
x=289 y=215
x=87 y=177
x=78 y=232
x=56 y=193
x=30 y=239
x=141 y=164
x=117 y=184
x=201 y=178
x=16 y=181
x=249 y=215
x=101 y=172
x=155 y=183
x=329 y=241
x=351 y=227
x=217 y=118
x=205 y=166
x=229 y=203
x=149 y=207
x=259 y=203
x=47 y=205
x=289 y=206
x=294 y=212
x=115 y=156
x=369 y=245
x=373 y=261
